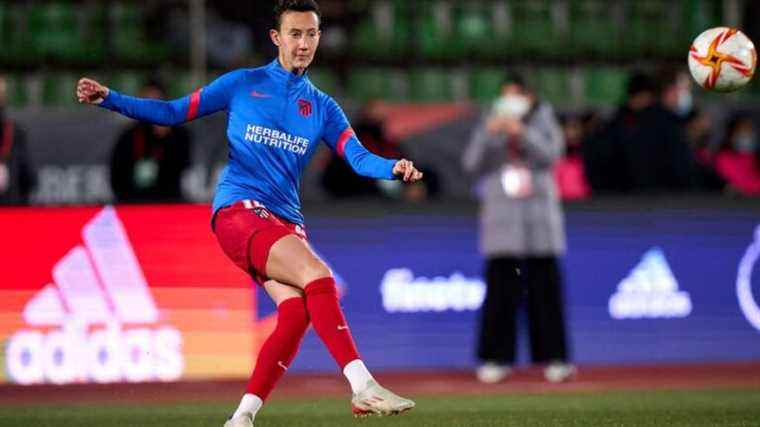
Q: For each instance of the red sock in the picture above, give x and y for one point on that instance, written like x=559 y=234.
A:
x=328 y=320
x=280 y=348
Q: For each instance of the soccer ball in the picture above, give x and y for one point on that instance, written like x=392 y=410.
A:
x=722 y=59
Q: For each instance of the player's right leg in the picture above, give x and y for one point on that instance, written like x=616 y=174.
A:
x=276 y=353
x=291 y=260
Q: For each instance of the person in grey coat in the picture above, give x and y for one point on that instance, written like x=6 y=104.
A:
x=512 y=152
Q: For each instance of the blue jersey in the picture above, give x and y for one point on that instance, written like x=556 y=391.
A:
x=275 y=122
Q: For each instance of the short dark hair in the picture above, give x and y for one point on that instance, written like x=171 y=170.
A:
x=514 y=78
x=640 y=82
x=284 y=6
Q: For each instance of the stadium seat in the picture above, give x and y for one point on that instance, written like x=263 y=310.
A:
x=18 y=96
x=325 y=80
x=534 y=32
x=379 y=83
x=485 y=84
x=646 y=21
x=605 y=86
x=54 y=30
x=384 y=32
x=58 y=90
x=553 y=85
x=431 y=85
x=19 y=47
x=127 y=82
x=179 y=83
x=700 y=15
x=130 y=42
x=436 y=30
x=473 y=30
x=594 y=30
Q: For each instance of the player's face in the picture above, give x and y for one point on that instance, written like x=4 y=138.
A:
x=297 y=39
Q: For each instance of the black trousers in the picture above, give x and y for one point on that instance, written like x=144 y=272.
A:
x=511 y=282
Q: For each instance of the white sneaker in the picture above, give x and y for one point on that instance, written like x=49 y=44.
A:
x=244 y=420
x=492 y=373
x=379 y=401
x=559 y=372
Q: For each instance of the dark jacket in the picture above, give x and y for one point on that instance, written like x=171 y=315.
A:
x=14 y=157
x=138 y=150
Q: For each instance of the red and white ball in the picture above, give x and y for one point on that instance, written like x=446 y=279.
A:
x=722 y=59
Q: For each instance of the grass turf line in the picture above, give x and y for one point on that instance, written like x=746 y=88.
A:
x=642 y=408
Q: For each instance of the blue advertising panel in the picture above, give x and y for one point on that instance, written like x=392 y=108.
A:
x=640 y=287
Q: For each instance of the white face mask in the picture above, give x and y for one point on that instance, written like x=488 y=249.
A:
x=511 y=105
x=685 y=102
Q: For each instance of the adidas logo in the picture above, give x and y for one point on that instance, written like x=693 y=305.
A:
x=98 y=321
x=650 y=291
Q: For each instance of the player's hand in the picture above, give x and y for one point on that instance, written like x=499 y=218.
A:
x=91 y=92
x=405 y=169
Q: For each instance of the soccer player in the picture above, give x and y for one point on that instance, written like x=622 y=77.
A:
x=276 y=117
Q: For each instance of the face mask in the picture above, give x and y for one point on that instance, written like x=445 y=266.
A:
x=744 y=143
x=514 y=106
x=685 y=103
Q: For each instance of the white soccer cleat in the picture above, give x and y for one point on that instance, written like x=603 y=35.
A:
x=244 y=420
x=559 y=372
x=378 y=401
x=492 y=373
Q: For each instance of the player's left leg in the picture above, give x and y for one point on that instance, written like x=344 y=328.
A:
x=276 y=353
x=291 y=260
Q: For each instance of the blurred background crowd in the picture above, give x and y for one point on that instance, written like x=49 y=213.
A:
x=413 y=76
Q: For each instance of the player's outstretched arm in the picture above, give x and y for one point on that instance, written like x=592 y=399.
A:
x=341 y=138
x=212 y=98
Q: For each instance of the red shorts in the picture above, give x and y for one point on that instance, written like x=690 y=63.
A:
x=246 y=231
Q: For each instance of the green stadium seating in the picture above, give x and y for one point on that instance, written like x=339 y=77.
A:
x=325 y=80
x=179 y=83
x=127 y=82
x=593 y=28
x=58 y=90
x=473 y=30
x=431 y=85
x=533 y=30
x=384 y=33
x=17 y=93
x=436 y=30
x=700 y=15
x=485 y=84
x=53 y=28
x=130 y=42
x=605 y=86
x=552 y=84
x=653 y=28
x=377 y=83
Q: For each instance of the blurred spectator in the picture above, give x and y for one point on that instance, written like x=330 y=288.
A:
x=341 y=182
x=17 y=176
x=148 y=160
x=737 y=159
x=569 y=171
x=699 y=133
x=513 y=151
x=644 y=147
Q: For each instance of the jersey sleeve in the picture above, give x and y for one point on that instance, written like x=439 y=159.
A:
x=204 y=101
x=340 y=137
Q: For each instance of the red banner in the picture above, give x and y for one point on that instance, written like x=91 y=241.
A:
x=134 y=293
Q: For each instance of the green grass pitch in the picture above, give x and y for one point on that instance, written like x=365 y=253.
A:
x=640 y=408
